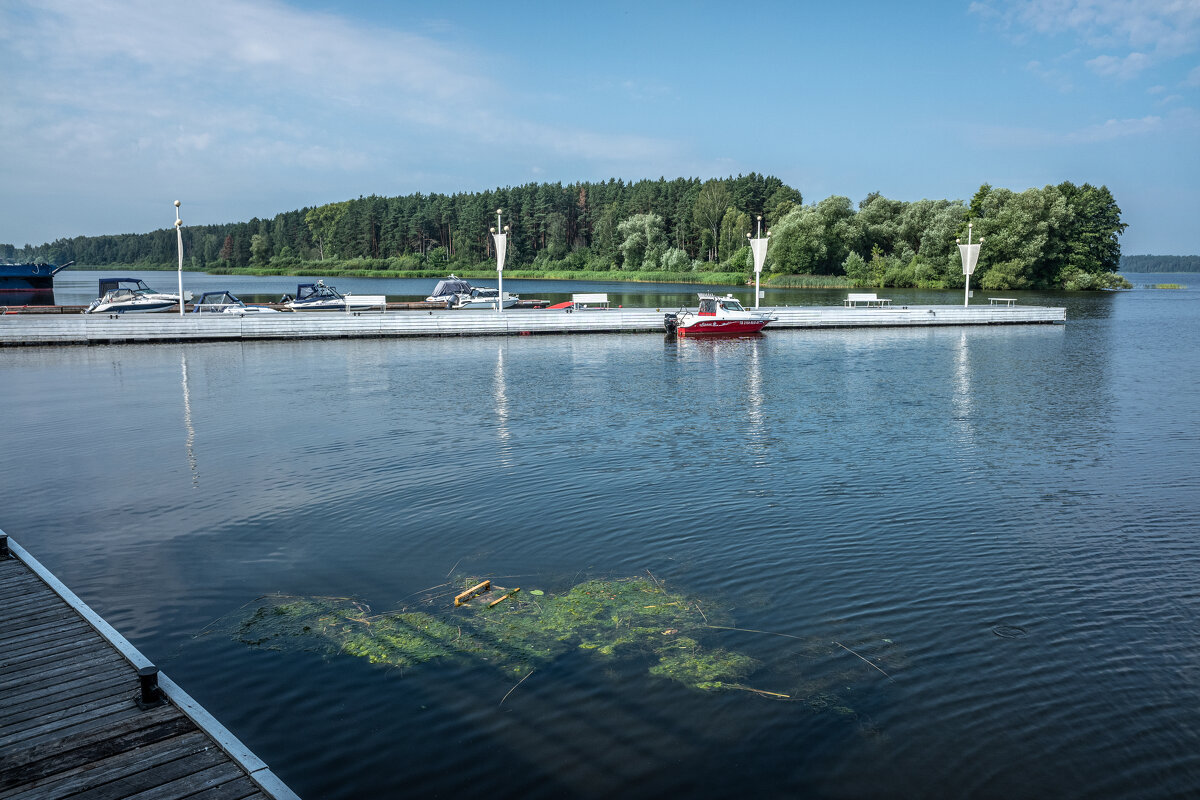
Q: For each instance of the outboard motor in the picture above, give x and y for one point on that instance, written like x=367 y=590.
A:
x=670 y=322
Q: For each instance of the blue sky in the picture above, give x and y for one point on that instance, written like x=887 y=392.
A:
x=112 y=109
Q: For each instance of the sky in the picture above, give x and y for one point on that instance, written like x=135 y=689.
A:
x=110 y=110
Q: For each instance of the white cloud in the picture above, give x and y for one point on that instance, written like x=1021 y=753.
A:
x=1052 y=77
x=1025 y=137
x=1147 y=31
x=256 y=80
x=1121 y=68
x=1193 y=77
x=1116 y=129
x=1169 y=27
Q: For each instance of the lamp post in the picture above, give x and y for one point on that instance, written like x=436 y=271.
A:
x=179 y=242
x=759 y=247
x=500 y=235
x=970 y=257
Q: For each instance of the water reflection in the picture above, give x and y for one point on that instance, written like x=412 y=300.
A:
x=962 y=400
x=500 y=398
x=756 y=428
x=187 y=422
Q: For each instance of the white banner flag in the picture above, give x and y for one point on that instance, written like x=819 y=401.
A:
x=970 y=256
x=500 y=243
x=759 y=247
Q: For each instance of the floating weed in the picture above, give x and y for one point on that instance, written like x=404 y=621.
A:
x=700 y=668
x=621 y=618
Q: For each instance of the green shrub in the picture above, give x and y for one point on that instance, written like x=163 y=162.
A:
x=1005 y=275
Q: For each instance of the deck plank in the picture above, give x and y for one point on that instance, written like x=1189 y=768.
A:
x=18 y=630
x=40 y=705
x=103 y=771
x=37 y=692
x=30 y=602
x=40 y=653
x=15 y=585
x=237 y=789
x=69 y=723
x=69 y=666
x=23 y=763
x=167 y=774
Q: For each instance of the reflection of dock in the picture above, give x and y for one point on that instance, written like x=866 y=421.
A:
x=33 y=329
x=80 y=712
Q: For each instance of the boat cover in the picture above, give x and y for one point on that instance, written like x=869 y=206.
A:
x=451 y=286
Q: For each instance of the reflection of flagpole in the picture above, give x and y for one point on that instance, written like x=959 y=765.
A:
x=187 y=423
x=500 y=395
x=970 y=257
x=179 y=242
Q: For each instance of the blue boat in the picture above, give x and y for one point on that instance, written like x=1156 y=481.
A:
x=29 y=277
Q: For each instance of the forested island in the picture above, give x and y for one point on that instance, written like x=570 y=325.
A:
x=1160 y=263
x=687 y=229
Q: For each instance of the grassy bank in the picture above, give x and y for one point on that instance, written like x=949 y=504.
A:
x=808 y=282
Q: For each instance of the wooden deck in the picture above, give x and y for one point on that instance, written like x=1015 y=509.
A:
x=84 y=329
x=70 y=724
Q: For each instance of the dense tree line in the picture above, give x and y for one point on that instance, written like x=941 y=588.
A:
x=1064 y=235
x=1160 y=263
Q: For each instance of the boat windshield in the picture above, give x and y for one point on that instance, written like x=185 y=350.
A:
x=316 y=291
x=731 y=305
x=217 y=301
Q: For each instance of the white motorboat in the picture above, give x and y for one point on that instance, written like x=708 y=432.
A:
x=716 y=316
x=227 y=303
x=448 y=290
x=131 y=295
x=319 y=297
x=457 y=293
x=485 y=297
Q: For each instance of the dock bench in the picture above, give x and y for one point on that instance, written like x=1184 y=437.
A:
x=1003 y=301
x=866 y=299
x=362 y=302
x=586 y=300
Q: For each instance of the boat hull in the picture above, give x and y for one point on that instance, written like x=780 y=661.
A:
x=28 y=284
x=721 y=327
x=323 y=306
x=509 y=302
x=135 y=308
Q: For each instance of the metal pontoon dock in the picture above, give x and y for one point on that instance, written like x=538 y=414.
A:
x=83 y=712
x=83 y=329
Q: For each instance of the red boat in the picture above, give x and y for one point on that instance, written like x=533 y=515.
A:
x=716 y=316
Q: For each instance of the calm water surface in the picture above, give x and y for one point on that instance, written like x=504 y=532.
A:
x=1007 y=519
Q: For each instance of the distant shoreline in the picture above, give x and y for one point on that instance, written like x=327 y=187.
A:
x=611 y=276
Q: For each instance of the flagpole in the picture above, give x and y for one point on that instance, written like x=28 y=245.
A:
x=179 y=243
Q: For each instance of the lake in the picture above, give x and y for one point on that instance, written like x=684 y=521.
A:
x=963 y=561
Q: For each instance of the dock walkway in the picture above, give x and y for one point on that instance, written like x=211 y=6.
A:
x=84 y=329
x=70 y=720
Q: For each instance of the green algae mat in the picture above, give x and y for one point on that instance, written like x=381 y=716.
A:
x=514 y=632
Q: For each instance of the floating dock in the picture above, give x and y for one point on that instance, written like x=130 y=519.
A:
x=82 y=711
x=85 y=329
